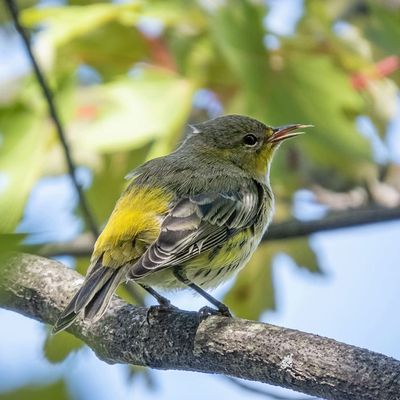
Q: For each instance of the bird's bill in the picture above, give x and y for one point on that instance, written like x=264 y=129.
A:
x=286 y=132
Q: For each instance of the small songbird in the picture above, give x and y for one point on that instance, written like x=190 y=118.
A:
x=189 y=219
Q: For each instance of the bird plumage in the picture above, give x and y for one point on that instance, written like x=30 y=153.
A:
x=199 y=209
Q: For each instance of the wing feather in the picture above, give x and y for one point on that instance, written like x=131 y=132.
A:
x=196 y=224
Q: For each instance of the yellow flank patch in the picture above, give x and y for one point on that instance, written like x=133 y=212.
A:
x=230 y=252
x=132 y=226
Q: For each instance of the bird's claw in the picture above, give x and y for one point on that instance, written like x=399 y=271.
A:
x=206 y=312
x=154 y=311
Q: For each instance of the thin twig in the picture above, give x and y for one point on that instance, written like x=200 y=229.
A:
x=13 y=9
x=82 y=246
x=332 y=221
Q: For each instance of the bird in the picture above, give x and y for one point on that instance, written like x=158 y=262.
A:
x=191 y=218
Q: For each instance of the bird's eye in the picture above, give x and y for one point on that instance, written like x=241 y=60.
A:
x=250 y=140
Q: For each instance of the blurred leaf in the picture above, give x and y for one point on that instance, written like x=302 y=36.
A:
x=312 y=90
x=109 y=180
x=237 y=29
x=86 y=2
x=301 y=253
x=22 y=4
x=114 y=56
x=382 y=26
x=56 y=390
x=192 y=55
x=131 y=293
x=185 y=16
x=11 y=242
x=82 y=264
x=146 y=373
x=128 y=113
x=22 y=143
x=107 y=185
x=58 y=347
x=74 y=32
x=293 y=86
x=381 y=98
x=65 y=23
x=253 y=292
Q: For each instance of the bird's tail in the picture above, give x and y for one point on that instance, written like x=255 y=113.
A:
x=93 y=297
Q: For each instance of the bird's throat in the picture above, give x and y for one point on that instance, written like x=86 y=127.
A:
x=262 y=163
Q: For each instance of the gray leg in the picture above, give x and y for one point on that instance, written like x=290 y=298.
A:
x=162 y=301
x=222 y=308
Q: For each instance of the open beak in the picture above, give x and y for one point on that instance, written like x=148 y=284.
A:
x=286 y=132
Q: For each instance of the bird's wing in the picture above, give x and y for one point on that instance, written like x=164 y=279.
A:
x=196 y=224
x=133 y=226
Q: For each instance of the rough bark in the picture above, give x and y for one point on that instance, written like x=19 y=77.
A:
x=39 y=288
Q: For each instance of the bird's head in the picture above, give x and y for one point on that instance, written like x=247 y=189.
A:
x=246 y=142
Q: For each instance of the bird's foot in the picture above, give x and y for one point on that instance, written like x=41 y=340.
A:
x=206 y=312
x=156 y=310
x=224 y=310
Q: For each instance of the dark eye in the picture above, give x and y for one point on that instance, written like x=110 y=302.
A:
x=250 y=140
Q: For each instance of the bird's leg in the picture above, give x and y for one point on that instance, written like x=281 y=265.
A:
x=162 y=301
x=222 y=308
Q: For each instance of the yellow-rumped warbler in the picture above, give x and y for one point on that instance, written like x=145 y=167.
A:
x=191 y=218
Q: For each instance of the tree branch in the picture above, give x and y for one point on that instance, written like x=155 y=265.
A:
x=40 y=288
x=336 y=220
x=88 y=216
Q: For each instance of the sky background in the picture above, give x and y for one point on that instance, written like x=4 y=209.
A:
x=356 y=299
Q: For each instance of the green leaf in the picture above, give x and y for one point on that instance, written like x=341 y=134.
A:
x=130 y=113
x=302 y=254
x=310 y=89
x=114 y=57
x=82 y=264
x=11 y=242
x=109 y=179
x=146 y=374
x=56 y=390
x=381 y=98
x=382 y=26
x=131 y=293
x=58 y=347
x=22 y=4
x=238 y=32
x=293 y=85
x=23 y=136
x=253 y=292
x=64 y=24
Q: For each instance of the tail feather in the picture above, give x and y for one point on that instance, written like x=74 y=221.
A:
x=92 y=285
x=99 y=303
x=92 y=298
x=67 y=317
